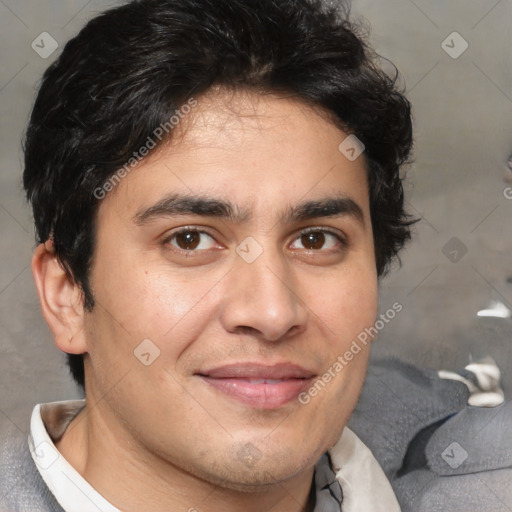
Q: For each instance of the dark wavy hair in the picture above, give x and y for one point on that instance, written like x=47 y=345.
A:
x=131 y=67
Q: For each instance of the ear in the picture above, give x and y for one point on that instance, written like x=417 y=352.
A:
x=61 y=300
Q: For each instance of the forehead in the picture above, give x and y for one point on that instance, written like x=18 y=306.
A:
x=259 y=152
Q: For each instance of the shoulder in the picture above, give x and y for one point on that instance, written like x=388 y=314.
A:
x=21 y=487
x=438 y=452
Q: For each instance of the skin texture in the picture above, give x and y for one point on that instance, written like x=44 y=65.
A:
x=159 y=437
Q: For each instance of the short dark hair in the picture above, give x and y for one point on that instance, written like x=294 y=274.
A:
x=131 y=67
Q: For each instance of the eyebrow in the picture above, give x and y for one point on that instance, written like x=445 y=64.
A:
x=205 y=206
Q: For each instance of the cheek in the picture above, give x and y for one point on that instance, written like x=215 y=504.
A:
x=135 y=302
x=177 y=304
x=135 y=296
x=346 y=304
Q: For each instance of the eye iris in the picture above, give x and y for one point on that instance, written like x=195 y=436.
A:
x=188 y=240
x=313 y=240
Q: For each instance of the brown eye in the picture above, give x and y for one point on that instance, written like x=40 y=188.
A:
x=314 y=240
x=188 y=240
x=319 y=240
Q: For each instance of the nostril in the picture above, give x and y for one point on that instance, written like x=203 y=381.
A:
x=247 y=330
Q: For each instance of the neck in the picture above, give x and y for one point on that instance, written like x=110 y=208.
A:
x=133 y=478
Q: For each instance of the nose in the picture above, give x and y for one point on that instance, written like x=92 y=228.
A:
x=261 y=299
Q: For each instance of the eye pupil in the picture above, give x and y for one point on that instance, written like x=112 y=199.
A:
x=313 y=240
x=188 y=240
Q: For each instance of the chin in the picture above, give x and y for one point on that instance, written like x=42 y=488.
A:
x=247 y=469
x=253 y=480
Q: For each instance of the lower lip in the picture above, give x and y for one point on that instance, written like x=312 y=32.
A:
x=260 y=395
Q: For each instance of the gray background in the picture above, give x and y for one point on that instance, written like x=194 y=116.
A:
x=463 y=123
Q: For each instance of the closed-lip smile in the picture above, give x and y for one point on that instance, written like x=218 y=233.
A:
x=259 y=385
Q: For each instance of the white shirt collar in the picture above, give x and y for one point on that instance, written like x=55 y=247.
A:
x=70 y=489
x=364 y=484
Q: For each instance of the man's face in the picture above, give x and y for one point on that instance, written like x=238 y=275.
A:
x=245 y=310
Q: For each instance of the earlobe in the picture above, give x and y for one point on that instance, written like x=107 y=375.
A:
x=61 y=300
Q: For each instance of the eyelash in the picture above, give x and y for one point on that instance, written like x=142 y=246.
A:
x=189 y=253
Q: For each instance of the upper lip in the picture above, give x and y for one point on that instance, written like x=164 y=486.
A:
x=258 y=371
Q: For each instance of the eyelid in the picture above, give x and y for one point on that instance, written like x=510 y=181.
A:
x=184 y=229
x=341 y=237
x=323 y=229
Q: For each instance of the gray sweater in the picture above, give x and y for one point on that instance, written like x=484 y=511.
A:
x=21 y=487
x=440 y=454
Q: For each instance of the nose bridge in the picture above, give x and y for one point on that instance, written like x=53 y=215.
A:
x=262 y=295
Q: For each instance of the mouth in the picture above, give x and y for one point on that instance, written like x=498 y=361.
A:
x=257 y=385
